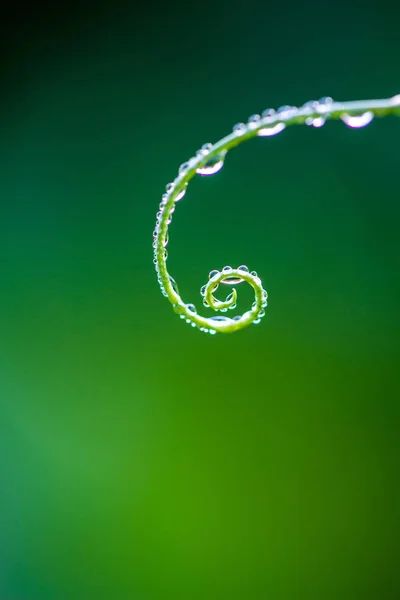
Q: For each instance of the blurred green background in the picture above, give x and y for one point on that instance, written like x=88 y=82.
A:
x=139 y=458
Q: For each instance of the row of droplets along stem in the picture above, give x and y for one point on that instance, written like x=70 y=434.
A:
x=209 y=160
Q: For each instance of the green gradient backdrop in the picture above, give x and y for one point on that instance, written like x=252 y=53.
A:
x=140 y=459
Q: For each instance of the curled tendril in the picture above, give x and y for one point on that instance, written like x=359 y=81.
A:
x=209 y=160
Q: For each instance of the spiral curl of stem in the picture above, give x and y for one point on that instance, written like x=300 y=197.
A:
x=207 y=161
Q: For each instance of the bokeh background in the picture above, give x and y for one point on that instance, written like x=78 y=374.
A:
x=139 y=458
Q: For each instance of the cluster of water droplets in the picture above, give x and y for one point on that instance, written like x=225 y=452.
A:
x=209 y=160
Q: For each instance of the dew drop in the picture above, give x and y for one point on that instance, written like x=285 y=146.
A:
x=221 y=319
x=178 y=308
x=317 y=122
x=269 y=131
x=237 y=318
x=310 y=104
x=207 y=146
x=213 y=274
x=180 y=195
x=239 y=128
x=243 y=268
x=203 y=290
x=191 y=307
x=268 y=112
x=359 y=120
x=212 y=331
x=169 y=187
x=184 y=167
x=227 y=269
x=287 y=111
x=325 y=100
x=254 y=273
x=214 y=165
x=174 y=284
x=253 y=120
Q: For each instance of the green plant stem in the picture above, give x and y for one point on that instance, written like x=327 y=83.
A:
x=209 y=159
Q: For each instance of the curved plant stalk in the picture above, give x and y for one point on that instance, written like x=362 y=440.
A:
x=209 y=160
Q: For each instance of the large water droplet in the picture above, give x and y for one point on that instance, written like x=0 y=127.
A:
x=180 y=195
x=214 y=165
x=243 y=268
x=358 y=120
x=268 y=131
x=203 y=290
x=191 y=307
x=230 y=280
